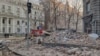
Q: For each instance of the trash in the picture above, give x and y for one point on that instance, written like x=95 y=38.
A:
x=93 y=36
x=65 y=39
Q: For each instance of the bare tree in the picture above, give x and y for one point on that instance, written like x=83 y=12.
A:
x=77 y=7
x=68 y=14
x=65 y=9
x=46 y=5
x=55 y=8
x=51 y=6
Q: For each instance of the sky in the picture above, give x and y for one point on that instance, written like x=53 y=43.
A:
x=34 y=1
x=64 y=1
x=70 y=1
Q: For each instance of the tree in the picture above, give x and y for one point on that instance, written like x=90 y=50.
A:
x=46 y=5
x=72 y=13
x=68 y=14
x=55 y=8
x=77 y=7
x=51 y=6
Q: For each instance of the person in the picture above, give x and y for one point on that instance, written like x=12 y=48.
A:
x=39 y=41
x=39 y=27
x=26 y=36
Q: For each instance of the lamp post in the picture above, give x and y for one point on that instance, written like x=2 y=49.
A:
x=28 y=24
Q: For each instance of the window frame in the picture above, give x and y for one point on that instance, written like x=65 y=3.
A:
x=88 y=7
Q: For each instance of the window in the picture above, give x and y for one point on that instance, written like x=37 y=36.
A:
x=97 y=27
x=88 y=7
x=35 y=12
x=26 y=30
x=4 y=20
x=9 y=8
x=3 y=8
x=9 y=21
x=26 y=23
x=22 y=21
x=18 y=23
x=18 y=11
x=9 y=30
x=18 y=29
x=35 y=23
x=35 y=18
x=3 y=30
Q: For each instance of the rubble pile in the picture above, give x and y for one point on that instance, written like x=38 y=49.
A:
x=39 y=50
x=62 y=37
x=65 y=37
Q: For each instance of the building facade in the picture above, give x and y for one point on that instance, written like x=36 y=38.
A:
x=91 y=16
x=13 y=17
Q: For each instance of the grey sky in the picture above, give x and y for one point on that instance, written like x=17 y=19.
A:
x=33 y=1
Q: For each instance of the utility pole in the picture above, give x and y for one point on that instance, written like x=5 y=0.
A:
x=29 y=5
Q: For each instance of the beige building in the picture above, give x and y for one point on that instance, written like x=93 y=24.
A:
x=13 y=16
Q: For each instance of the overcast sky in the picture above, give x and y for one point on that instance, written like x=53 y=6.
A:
x=37 y=1
x=70 y=1
x=33 y=1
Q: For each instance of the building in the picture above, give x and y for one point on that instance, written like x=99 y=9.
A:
x=37 y=16
x=13 y=17
x=91 y=16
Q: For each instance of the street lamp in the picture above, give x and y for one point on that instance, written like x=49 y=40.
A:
x=29 y=5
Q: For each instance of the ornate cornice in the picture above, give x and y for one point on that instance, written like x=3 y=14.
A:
x=10 y=16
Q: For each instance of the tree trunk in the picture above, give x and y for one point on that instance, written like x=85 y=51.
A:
x=55 y=18
x=77 y=23
x=69 y=23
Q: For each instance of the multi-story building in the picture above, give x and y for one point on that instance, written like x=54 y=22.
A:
x=37 y=15
x=13 y=16
x=91 y=16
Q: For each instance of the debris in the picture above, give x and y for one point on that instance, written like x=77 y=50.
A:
x=68 y=37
